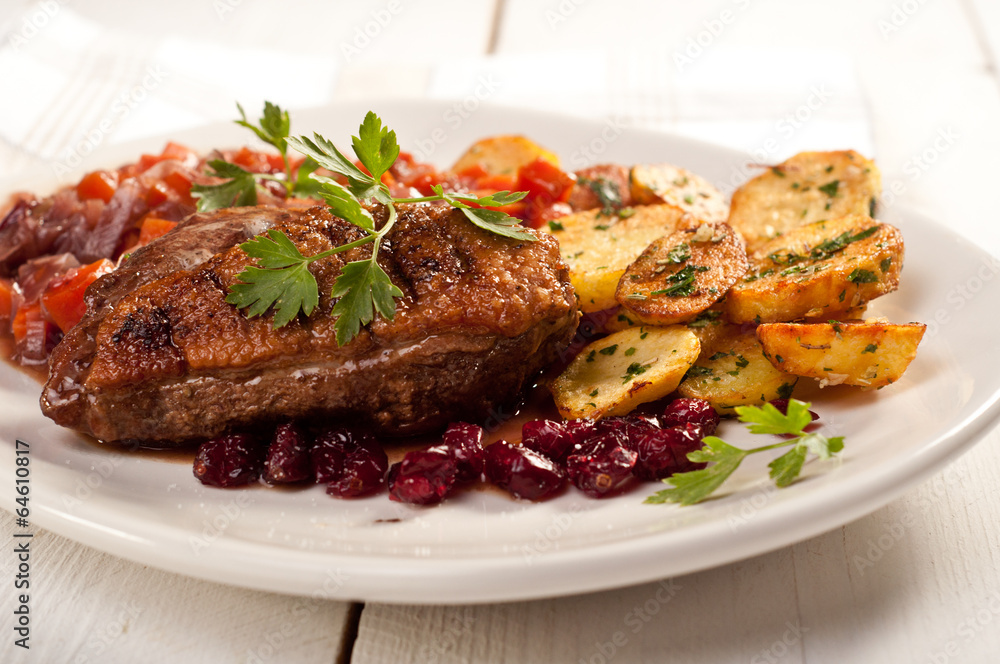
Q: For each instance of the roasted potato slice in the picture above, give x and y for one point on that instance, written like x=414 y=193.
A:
x=828 y=266
x=809 y=187
x=666 y=183
x=864 y=353
x=682 y=274
x=503 y=155
x=615 y=374
x=598 y=247
x=732 y=371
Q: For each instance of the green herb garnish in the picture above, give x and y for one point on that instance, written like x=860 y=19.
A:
x=695 y=486
x=282 y=279
x=830 y=188
x=241 y=185
x=860 y=276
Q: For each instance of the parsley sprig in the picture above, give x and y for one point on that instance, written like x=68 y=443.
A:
x=695 y=486
x=240 y=187
x=282 y=280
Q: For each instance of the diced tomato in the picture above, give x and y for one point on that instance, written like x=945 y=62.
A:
x=474 y=172
x=98 y=184
x=152 y=228
x=157 y=195
x=146 y=162
x=544 y=181
x=177 y=151
x=494 y=183
x=63 y=297
x=6 y=298
x=539 y=215
x=181 y=184
x=258 y=162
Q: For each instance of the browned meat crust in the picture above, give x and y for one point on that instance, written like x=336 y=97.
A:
x=161 y=358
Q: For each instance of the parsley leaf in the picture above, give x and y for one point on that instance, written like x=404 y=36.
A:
x=239 y=190
x=273 y=128
x=286 y=284
x=375 y=146
x=361 y=285
x=494 y=221
x=694 y=486
x=830 y=188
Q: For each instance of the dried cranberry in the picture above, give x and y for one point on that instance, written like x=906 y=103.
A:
x=628 y=430
x=601 y=474
x=230 y=460
x=693 y=411
x=363 y=470
x=465 y=442
x=663 y=453
x=555 y=440
x=423 y=477
x=522 y=472
x=329 y=453
x=782 y=406
x=288 y=458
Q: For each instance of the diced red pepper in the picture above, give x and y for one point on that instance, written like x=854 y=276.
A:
x=98 y=184
x=26 y=314
x=63 y=297
x=152 y=228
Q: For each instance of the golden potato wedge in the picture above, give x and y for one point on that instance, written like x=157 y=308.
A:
x=666 y=183
x=809 y=187
x=828 y=266
x=863 y=353
x=503 y=155
x=598 y=248
x=615 y=374
x=732 y=371
x=682 y=274
x=850 y=313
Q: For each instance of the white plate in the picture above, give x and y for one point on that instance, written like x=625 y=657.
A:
x=481 y=546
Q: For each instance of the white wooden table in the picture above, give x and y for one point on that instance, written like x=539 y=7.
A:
x=930 y=592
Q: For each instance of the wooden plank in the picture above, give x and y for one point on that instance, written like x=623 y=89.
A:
x=88 y=606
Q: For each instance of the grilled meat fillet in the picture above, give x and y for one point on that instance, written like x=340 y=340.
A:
x=160 y=358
